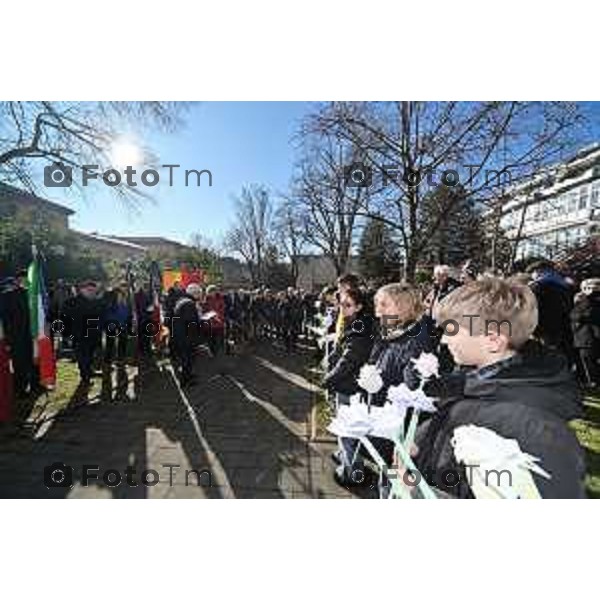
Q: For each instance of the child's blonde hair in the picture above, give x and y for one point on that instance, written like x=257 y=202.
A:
x=405 y=297
x=508 y=305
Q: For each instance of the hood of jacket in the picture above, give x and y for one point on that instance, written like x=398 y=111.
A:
x=541 y=380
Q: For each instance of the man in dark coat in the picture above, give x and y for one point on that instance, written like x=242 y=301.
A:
x=144 y=308
x=186 y=332
x=585 y=321
x=17 y=331
x=84 y=312
x=555 y=301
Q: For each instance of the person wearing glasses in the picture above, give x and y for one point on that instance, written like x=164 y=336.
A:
x=351 y=352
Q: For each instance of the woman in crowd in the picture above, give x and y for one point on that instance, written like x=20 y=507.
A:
x=351 y=351
x=352 y=348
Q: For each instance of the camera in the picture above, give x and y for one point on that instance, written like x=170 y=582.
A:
x=58 y=475
x=358 y=175
x=58 y=175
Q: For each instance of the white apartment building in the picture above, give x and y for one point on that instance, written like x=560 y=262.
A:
x=557 y=209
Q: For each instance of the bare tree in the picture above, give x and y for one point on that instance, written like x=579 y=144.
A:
x=251 y=235
x=37 y=134
x=326 y=208
x=289 y=234
x=412 y=147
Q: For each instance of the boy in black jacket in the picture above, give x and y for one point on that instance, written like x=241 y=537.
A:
x=511 y=389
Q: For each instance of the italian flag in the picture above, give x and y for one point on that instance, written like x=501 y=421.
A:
x=43 y=353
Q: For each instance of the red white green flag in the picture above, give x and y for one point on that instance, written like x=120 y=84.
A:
x=43 y=353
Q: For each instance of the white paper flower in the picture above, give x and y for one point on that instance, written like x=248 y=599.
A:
x=427 y=365
x=399 y=394
x=369 y=379
x=355 y=420
x=406 y=398
x=352 y=420
x=387 y=421
x=497 y=465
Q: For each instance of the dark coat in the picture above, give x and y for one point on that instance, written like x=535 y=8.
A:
x=555 y=302
x=186 y=324
x=393 y=353
x=84 y=318
x=585 y=321
x=173 y=295
x=349 y=354
x=14 y=312
x=529 y=398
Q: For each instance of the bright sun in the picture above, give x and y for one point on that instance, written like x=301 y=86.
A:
x=125 y=153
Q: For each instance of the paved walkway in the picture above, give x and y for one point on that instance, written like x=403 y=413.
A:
x=243 y=430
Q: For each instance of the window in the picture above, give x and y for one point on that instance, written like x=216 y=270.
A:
x=595 y=200
x=572 y=202
x=584 y=194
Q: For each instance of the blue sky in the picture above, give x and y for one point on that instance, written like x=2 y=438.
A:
x=240 y=142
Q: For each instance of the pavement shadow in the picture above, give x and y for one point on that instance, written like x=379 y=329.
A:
x=110 y=433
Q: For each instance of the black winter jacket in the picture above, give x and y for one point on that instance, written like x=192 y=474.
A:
x=186 y=324
x=529 y=398
x=349 y=354
x=585 y=321
x=83 y=318
x=555 y=302
x=392 y=354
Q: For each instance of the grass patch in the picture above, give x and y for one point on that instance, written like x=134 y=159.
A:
x=588 y=433
x=67 y=380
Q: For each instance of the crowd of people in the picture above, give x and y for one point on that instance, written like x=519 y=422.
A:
x=102 y=326
x=514 y=355
x=521 y=376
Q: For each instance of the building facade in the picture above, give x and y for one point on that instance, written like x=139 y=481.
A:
x=557 y=209
x=17 y=204
x=110 y=249
x=153 y=244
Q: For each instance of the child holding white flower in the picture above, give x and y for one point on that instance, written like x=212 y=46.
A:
x=404 y=334
x=519 y=394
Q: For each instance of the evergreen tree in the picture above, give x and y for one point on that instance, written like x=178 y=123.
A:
x=460 y=233
x=378 y=252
